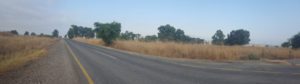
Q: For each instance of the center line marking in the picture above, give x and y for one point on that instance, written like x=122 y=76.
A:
x=110 y=56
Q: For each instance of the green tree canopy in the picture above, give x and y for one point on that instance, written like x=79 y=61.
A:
x=150 y=38
x=238 y=37
x=80 y=31
x=26 y=33
x=55 y=33
x=179 y=35
x=170 y=33
x=15 y=32
x=295 y=41
x=286 y=44
x=218 y=38
x=166 y=33
x=127 y=35
x=108 y=31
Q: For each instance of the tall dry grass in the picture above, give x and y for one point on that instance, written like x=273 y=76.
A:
x=16 y=51
x=199 y=51
x=90 y=41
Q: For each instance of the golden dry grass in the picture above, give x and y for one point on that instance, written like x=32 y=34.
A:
x=90 y=41
x=200 y=51
x=16 y=51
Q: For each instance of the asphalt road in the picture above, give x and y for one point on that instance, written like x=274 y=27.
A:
x=109 y=66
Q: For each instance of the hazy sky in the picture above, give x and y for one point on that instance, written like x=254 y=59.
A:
x=269 y=21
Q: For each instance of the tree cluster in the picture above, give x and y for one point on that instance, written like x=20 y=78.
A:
x=238 y=37
x=218 y=38
x=150 y=38
x=235 y=37
x=170 y=33
x=31 y=34
x=127 y=35
x=80 y=31
x=293 y=42
x=15 y=32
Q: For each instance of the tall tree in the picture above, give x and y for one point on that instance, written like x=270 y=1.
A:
x=179 y=35
x=89 y=33
x=218 y=38
x=70 y=33
x=295 y=41
x=166 y=33
x=55 y=33
x=238 y=37
x=108 y=31
x=26 y=33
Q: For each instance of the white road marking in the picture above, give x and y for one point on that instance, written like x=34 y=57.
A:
x=107 y=55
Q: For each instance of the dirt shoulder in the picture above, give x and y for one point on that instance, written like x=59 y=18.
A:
x=55 y=68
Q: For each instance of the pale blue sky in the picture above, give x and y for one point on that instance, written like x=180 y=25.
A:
x=269 y=21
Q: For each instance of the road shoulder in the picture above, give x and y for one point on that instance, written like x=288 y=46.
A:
x=55 y=68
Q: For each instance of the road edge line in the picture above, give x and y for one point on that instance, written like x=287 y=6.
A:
x=87 y=76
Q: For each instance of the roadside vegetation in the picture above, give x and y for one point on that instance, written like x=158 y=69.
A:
x=200 y=51
x=17 y=50
x=172 y=42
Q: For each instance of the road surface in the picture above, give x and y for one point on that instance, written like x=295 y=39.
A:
x=109 y=66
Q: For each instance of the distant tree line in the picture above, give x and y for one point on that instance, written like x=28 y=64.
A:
x=127 y=35
x=170 y=33
x=31 y=34
x=109 y=32
x=149 y=38
x=80 y=31
x=166 y=33
x=55 y=33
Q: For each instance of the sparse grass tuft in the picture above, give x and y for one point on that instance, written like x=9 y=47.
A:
x=200 y=51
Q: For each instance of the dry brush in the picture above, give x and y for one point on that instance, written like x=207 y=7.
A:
x=16 y=51
x=201 y=51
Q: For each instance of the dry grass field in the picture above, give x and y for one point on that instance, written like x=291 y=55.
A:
x=200 y=51
x=16 y=51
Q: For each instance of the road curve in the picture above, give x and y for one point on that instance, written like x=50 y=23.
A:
x=107 y=66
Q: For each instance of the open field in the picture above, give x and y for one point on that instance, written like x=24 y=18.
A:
x=16 y=51
x=199 y=51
